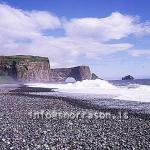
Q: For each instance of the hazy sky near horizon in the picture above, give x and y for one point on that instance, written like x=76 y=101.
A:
x=111 y=36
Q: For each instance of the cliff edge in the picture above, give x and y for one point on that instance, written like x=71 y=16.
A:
x=25 y=68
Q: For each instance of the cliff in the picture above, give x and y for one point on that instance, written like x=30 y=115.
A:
x=37 y=69
x=25 y=68
x=79 y=73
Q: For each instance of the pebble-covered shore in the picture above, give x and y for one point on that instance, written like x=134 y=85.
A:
x=21 y=130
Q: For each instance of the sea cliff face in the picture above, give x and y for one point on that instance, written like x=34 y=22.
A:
x=79 y=73
x=26 y=68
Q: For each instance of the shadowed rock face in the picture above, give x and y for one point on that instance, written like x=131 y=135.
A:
x=25 y=68
x=34 y=72
x=78 y=73
x=94 y=76
x=37 y=69
x=13 y=71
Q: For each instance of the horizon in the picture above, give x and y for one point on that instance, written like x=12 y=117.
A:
x=107 y=36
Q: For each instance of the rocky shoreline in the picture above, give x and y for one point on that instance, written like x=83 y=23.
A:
x=25 y=124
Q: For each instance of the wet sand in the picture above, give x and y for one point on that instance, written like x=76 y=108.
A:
x=25 y=125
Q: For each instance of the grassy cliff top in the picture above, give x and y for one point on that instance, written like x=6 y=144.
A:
x=18 y=58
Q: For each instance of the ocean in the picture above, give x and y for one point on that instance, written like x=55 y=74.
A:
x=129 y=90
x=128 y=82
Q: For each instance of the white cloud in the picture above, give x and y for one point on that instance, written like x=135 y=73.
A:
x=22 y=32
x=64 y=51
x=20 y=24
x=138 y=53
x=115 y=26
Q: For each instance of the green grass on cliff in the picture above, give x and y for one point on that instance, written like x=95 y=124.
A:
x=18 y=58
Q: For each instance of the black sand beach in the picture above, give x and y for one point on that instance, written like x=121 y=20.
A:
x=26 y=124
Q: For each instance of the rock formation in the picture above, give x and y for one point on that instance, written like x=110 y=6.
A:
x=25 y=68
x=37 y=69
x=128 y=77
x=94 y=76
x=78 y=73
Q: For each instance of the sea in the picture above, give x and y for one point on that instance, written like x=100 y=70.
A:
x=129 y=90
x=129 y=82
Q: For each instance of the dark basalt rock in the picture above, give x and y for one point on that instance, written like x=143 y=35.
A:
x=79 y=73
x=26 y=68
x=128 y=77
x=94 y=76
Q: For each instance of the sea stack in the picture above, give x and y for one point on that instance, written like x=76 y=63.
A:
x=79 y=73
x=128 y=77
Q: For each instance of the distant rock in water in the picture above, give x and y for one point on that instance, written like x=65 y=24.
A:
x=27 y=68
x=128 y=77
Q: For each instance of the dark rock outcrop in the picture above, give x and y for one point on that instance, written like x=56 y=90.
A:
x=78 y=73
x=94 y=76
x=128 y=77
x=25 y=68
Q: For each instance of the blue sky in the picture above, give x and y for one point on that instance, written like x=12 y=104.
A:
x=111 y=36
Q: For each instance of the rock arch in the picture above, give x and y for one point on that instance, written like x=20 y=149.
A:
x=79 y=73
x=70 y=80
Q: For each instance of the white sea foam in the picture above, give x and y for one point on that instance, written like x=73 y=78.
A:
x=132 y=92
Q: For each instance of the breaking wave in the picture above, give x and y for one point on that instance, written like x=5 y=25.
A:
x=131 y=92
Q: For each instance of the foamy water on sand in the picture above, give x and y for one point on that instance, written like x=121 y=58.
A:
x=131 y=92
